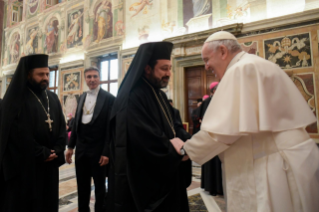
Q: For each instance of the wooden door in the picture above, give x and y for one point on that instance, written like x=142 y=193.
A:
x=197 y=81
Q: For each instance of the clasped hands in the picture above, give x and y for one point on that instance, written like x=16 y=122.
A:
x=178 y=144
x=68 y=157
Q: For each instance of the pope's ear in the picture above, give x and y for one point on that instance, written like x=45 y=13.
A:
x=148 y=70
x=224 y=51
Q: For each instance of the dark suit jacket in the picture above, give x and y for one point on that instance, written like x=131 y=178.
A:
x=97 y=143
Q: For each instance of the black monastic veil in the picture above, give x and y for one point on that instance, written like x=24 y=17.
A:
x=146 y=173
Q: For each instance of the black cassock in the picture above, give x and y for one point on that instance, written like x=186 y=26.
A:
x=29 y=183
x=211 y=179
x=156 y=179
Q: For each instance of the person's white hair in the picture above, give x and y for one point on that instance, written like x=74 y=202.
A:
x=232 y=45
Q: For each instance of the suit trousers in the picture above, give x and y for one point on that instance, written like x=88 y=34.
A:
x=86 y=168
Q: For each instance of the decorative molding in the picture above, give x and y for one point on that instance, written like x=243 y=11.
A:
x=72 y=64
x=200 y=37
x=280 y=23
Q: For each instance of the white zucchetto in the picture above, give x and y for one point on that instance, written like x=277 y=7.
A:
x=221 y=35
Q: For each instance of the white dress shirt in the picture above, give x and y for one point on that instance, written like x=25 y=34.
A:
x=89 y=105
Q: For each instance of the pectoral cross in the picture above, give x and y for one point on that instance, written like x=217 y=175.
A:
x=49 y=122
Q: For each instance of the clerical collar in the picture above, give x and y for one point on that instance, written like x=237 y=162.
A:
x=94 y=91
x=235 y=59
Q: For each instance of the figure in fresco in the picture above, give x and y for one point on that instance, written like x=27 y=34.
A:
x=33 y=5
x=103 y=21
x=143 y=33
x=119 y=28
x=201 y=7
x=75 y=29
x=137 y=7
x=51 y=40
x=31 y=44
x=15 y=49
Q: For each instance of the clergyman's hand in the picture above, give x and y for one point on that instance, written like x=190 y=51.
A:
x=68 y=155
x=103 y=160
x=51 y=157
x=177 y=143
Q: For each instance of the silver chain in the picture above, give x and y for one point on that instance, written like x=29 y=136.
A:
x=159 y=102
x=47 y=113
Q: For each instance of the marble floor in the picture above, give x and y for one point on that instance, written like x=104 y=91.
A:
x=199 y=200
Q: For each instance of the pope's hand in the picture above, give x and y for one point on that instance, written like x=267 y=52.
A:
x=68 y=156
x=103 y=160
x=177 y=143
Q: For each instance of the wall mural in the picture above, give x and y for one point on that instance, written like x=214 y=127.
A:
x=103 y=21
x=289 y=52
x=32 y=6
x=14 y=48
x=75 y=28
x=234 y=12
x=51 y=40
x=31 y=46
x=197 y=15
x=141 y=6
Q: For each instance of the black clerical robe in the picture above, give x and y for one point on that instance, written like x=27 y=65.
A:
x=30 y=183
x=211 y=179
x=156 y=178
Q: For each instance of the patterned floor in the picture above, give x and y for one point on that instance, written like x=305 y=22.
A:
x=199 y=200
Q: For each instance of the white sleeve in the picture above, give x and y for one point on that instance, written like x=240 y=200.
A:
x=203 y=146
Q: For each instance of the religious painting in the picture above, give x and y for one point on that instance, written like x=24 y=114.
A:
x=140 y=7
x=75 y=28
x=14 y=48
x=306 y=85
x=289 y=52
x=234 y=12
x=71 y=81
x=250 y=47
x=51 y=41
x=197 y=15
x=33 y=6
x=119 y=28
x=318 y=38
x=103 y=21
x=143 y=33
x=32 y=41
x=168 y=27
x=70 y=103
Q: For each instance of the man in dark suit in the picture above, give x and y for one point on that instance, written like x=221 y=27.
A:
x=90 y=136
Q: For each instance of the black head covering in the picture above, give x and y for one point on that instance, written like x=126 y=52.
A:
x=145 y=54
x=13 y=99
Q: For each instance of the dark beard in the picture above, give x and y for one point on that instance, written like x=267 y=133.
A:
x=157 y=82
x=41 y=86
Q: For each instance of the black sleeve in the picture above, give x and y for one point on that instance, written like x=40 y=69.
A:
x=106 y=149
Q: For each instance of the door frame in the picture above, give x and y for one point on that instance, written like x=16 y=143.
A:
x=179 y=89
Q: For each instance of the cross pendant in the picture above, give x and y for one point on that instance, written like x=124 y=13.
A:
x=49 y=122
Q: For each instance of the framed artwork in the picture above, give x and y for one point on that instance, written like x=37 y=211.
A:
x=250 y=47
x=289 y=52
x=70 y=102
x=71 y=81
x=306 y=85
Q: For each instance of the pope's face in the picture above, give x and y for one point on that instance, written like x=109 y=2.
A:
x=161 y=73
x=39 y=77
x=92 y=79
x=215 y=60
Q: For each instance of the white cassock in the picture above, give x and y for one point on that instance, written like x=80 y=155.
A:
x=256 y=124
